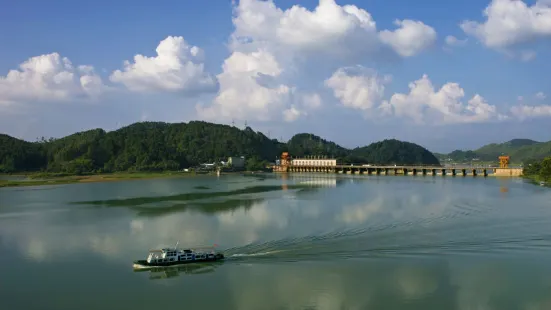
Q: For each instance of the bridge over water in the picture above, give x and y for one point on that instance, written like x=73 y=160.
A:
x=403 y=170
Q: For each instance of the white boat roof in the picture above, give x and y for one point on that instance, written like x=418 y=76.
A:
x=181 y=249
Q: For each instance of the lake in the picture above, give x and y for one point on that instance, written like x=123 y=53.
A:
x=302 y=241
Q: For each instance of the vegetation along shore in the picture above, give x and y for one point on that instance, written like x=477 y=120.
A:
x=538 y=170
x=158 y=149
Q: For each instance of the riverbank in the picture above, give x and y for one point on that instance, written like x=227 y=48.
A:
x=536 y=179
x=36 y=179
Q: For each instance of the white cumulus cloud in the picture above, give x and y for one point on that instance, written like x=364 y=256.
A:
x=410 y=39
x=250 y=90
x=329 y=29
x=292 y=114
x=510 y=23
x=425 y=104
x=523 y=111
x=49 y=77
x=312 y=101
x=453 y=41
x=269 y=44
x=358 y=87
x=178 y=67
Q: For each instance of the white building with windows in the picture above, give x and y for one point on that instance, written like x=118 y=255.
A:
x=313 y=162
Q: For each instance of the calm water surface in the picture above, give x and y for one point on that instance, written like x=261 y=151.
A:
x=299 y=242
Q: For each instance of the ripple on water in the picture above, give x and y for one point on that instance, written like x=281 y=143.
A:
x=31 y=213
x=467 y=229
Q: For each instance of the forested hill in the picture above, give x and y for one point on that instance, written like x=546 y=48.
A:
x=394 y=151
x=383 y=152
x=520 y=150
x=306 y=144
x=154 y=146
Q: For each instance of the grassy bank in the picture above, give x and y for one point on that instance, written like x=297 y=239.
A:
x=536 y=179
x=36 y=179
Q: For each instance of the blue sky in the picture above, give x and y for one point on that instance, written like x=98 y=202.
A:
x=339 y=69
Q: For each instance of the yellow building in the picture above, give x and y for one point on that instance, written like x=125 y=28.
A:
x=313 y=162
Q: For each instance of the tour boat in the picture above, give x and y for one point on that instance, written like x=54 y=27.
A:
x=175 y=256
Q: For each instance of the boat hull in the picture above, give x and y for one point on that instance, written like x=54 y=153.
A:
x=143 y=264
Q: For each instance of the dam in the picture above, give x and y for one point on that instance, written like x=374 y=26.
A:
x=324 y=165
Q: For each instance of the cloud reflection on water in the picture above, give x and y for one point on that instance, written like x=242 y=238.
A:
x=404 y=211
x=234 y=221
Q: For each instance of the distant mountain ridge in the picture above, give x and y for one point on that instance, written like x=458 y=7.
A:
x=520 y=150
x=157 y=146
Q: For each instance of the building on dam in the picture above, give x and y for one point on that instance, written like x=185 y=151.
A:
x=313 y=162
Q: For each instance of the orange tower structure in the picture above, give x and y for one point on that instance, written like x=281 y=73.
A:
x=285 y=159
x=284 y=163
x=504 y=161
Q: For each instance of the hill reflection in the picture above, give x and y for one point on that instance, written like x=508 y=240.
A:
x=212 y=202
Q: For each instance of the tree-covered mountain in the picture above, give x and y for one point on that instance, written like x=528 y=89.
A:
x=19 y=155
x=306 y=144
x=157 y=146
x=383 y=152
x=393 y=151
x=520 y=150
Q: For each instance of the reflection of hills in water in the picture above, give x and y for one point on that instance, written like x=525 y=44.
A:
x=205 y=202
x=158 y=273
x=211 y=207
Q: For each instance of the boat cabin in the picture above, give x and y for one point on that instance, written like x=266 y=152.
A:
x=167 y=255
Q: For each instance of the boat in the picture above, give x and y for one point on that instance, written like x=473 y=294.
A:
x=542 y=183
x=174 y=256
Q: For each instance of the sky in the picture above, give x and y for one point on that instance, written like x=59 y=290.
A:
x=444 y=74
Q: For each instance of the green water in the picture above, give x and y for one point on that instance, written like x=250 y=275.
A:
x=301 y=242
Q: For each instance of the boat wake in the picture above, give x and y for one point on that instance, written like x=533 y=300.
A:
x=401 y=240
x=256 y=254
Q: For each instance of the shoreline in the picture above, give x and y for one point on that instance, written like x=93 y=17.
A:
x=96 y=178
x=130 y=176
x=536 y=179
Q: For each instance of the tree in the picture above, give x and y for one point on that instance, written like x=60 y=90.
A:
x=158 y=146
x=545 y=170
x=531 y=167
